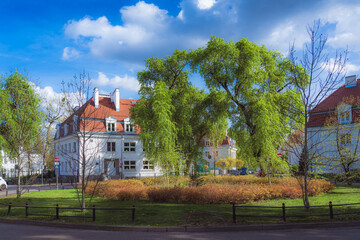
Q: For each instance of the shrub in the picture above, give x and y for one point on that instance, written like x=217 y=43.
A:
x=228 y=189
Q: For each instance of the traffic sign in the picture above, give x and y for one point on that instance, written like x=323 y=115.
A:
x=56 y=160
x=57 y=163
x=56 y=166
x=279 y=155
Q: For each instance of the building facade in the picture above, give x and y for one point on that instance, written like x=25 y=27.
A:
x=334 y=130
x=99 y=138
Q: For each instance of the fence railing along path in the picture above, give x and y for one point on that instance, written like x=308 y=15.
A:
x=283 y=211
x=57 y=209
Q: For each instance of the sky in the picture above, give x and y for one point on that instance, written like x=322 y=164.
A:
x=51 y=40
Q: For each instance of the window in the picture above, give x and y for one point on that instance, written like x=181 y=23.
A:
x=69 y=147
x=147 y=165
x=74 y=147
x=207 y=143
x=345 y=117
x=129 y=127
x=345 y=138
x=207 y=155
x=129 y=165
x=66 y=129
x=111 y=127
x=111 y=147
x=129 y=147
x=65 y=149
x=62 y=150
x=344 y=113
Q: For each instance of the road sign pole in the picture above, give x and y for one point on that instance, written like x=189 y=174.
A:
x=57 y=177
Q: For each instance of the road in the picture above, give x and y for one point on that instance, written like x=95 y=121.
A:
x=18 y=232
x=29 y=188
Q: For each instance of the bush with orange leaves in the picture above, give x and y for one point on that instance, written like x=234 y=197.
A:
x=216 y=190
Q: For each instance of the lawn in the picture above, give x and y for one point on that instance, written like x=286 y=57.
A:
x=174 y=214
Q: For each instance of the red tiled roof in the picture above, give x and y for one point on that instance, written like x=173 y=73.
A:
x=322 y=112
x=226 y=141
x=106 y=109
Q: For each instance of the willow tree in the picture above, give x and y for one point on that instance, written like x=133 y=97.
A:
x=20 y=119
x=187 y=113
x=259 y=84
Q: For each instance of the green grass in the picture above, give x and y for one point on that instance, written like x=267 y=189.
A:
x=166 y=214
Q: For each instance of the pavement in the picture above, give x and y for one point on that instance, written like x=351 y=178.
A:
x=19 y=232
x=11 y=190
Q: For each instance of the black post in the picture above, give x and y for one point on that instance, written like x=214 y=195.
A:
x=234 y=212
x=7 y=192
x=283 y=210
x=9 y=209
x=39 y=189
x=26 y=209
x=133 y=214
x=93 y=208
x=331 y=210
x=57 y=211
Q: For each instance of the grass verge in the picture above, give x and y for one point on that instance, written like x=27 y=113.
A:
x=173 y=214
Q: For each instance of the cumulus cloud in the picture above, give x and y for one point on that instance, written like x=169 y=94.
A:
x=205 y=4
x=70 y=54
x=126 y=82
x=148 y=31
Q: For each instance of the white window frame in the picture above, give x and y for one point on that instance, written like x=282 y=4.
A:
x=129 y=165
x=128 y=125
x=148 y=165
x=129 y=146
x=110 y=124
x=111 y=147
x=345 y=138
x=344 y=114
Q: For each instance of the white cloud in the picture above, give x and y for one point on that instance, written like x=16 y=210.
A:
x=352 y=69
x=125 y=82
x=70 y=53
x=205 y=4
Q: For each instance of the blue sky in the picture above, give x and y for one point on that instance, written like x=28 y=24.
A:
x=52 y=40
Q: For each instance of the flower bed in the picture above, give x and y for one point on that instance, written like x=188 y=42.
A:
x=227 y=189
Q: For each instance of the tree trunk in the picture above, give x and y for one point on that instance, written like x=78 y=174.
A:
x=18 y=190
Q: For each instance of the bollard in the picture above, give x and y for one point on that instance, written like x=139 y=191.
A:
x=26 y=209
x=9 y=209
x=57 y=211
x=133 y=214
x=7 y=192
x=234 y=212
x=93 y=216
x=39 y=189
x=283 y=210
x=331 y=210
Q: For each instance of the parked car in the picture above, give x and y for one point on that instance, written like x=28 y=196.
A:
x=243 y=171
x=3 y=184
x=233 y=172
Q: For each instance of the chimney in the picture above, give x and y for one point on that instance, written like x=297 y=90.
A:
x=350 y=81
x=115 y=98
x=96 y=97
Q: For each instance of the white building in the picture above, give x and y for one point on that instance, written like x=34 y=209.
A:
x=31 y=164
x=226 y=148
x=101 y=132
x=334 y=130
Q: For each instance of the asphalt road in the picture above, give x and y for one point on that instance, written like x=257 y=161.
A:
x=18 y=232
x=29 y=188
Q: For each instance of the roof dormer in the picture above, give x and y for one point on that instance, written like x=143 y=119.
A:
x=344 y=113
x=110 y=124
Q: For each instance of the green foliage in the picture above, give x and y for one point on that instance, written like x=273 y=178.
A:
x=20 y=118
x=259 y=83
x=19 y=114
x=173 y=115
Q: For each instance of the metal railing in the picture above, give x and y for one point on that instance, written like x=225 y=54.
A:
x=284 y=215
x=57 y=210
